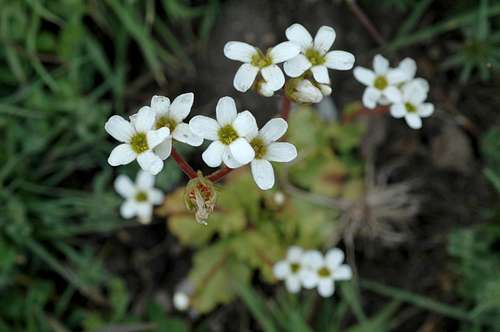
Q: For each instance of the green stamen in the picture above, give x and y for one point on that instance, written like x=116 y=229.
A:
x=381 y=82
x=227 y=134
x=260 y=60
x=314 y=57
x=294 y=267
x=324 y=272
x=410 y=107
x=167 y=122
x=141 y=196
x=139 y=143
x=259 y=147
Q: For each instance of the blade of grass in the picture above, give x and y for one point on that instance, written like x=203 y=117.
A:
x=257 y=307
x=409 y=23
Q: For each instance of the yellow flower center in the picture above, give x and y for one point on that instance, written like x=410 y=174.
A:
x=227 y=134
x=381 y=82
x=410 y=107
x=314 y=57
x=294 y=267
x=139 y=143
x=167 y=122
x=261 y=60
x=141 y=196
x=324 y=272
x=259 y=147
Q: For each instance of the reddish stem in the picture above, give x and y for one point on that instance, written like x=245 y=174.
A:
x=286 y=106
x=365 y=21
x=219 y=174
x=183 y=164
x=366 y=111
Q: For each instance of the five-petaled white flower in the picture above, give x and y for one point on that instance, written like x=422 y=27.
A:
x=266 y=149
x=138 y=139
x=139 y=196
x=227 y=133
x=314 y=55
x=171 y=116
x=381 y=82
x=255 y=62
x=412 y=106
x=322 y=271
x=290 y=269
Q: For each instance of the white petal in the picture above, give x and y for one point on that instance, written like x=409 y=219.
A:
x=128 y=209
x=181 y=106
x=119 y=128
x=342 y=272
x=326 y=287
x=393 y=94
x=239 y=51
x=422 y=82
x=155 y=137
x=144 y=212
x=292 y=284
x=409 y=67
x=160 y=105
x=144 y=119
x=204 y=127
x=155 y=196
x=163 y=149
x=212 y=156
x=273 y=130
x=313 y=259
x=244 y=124
x=281 y=270
x=150 y=162
x=242 y=151
x=320 y=74
x=281 y=152
x=184 y=134
x=395 y=76
x=414 y=92
x=398 y=110
x=308 y=278
x=226 y=111
x=370 y=97
x=229 y=160
x=145 y=180
x=334 y=257
x=325 y=89
x=299 y=35
x=284 y=51
x=306 y=92
x=364 y=75
x=121 y=155
x=274 y=76
x=263 y=173
x=297 y=66
x=294 y=254
x=324 y=39
x=425 y=110
x=380 y=65
x=245 y=76
x=265 y=89
x=339 y=60
x=413 y=120
x=124 y=186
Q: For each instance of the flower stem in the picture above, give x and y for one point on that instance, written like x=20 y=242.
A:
x=219 y=174
x=286 y=105
x=183 y=164
x=366 y=111
x=365 y=21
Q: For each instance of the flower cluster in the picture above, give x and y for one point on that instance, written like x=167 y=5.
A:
x=397 y=88
x=310 y=269
x=306 y=62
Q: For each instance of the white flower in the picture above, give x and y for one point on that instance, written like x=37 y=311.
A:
x=290 y=269
x=181 y=301
x=138 y=139
x=171 y=115
x=266 y=149
x=255 y=62
x=314 y=56
x=227 y=133
x=412 y=106
x=322 y=272
x=408 y=67
x=381 y=82
x=139 y=196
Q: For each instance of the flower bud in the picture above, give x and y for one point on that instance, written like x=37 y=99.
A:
x=303 y=91
x=200 y=197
